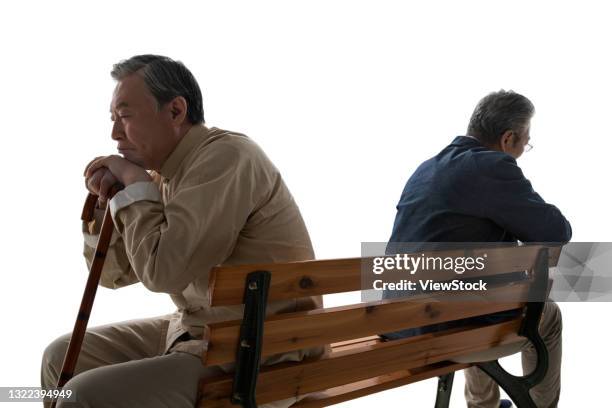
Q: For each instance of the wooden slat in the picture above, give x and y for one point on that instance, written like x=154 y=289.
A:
x=312 y=278
x=288 y=379
x=362 y=388
x=384 y=382
x=352 y=344
x=289 y=280
x=348 y=344
x=294 y=331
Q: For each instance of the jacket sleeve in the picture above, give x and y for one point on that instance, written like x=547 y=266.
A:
x=171 y=245
x=116 y=271
x=511 y=202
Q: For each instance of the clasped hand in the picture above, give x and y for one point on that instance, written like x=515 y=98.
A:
x=105 y=171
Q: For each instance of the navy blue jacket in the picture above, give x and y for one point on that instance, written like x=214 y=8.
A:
x=469 y=193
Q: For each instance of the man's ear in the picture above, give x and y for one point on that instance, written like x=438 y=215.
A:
x=178 y=110
x=505 y=141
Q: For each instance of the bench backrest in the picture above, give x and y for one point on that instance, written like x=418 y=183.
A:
x=358 y=357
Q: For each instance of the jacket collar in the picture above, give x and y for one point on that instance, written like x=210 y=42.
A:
x=466 y=141
x=189 y=141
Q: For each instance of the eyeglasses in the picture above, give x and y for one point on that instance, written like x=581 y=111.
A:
x=528 y=147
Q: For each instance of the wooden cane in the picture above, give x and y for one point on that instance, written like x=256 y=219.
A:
x=80 y=325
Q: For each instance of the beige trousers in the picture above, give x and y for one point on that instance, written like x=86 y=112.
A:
x=482 y=392
x=121 y=365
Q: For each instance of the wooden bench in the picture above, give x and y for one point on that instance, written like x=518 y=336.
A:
x=360 y=363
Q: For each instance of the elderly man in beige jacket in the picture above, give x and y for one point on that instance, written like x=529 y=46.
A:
x=209 y=197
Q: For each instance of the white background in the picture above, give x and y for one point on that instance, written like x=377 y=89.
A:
x=347 y=98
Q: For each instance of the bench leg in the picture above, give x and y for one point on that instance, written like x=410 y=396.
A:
x=445 y=387
x=516 y=389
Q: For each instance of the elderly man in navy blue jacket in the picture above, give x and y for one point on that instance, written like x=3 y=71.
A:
x=474 y=191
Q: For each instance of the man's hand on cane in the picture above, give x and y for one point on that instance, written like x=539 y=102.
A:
x=105 y=171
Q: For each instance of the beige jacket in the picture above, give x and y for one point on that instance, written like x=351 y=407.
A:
x=218 y=200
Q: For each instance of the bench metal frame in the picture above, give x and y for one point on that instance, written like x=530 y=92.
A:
x=248 y=354
x=517 y=387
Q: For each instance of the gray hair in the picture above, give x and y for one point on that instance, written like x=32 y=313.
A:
x=166 y=79
x=498 y=112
